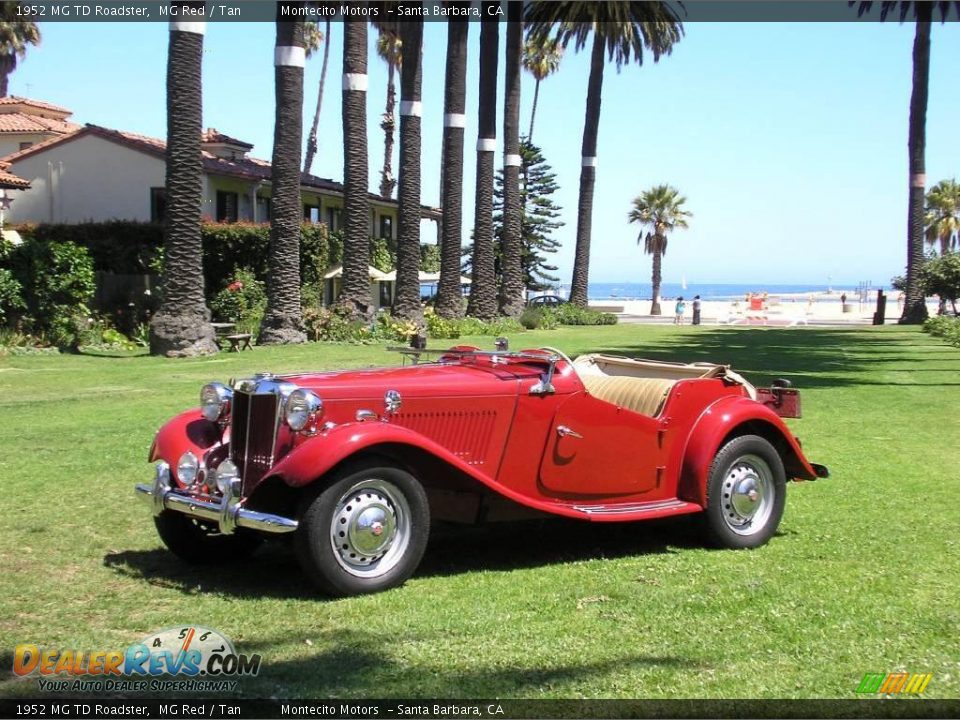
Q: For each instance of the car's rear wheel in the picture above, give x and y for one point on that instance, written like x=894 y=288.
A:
x=364 y=532
x=746 y=492
x=202 y=544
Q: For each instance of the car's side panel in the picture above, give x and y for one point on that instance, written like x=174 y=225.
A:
x=474 y=429
x=718 y=421
x=311 y=460
x=595 y=448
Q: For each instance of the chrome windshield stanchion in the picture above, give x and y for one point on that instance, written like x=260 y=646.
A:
x=230 y=508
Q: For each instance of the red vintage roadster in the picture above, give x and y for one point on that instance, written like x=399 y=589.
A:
x=355 y=464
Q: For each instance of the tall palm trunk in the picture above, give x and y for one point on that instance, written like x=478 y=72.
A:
x=588 y=175
x=512 y=286
x=407 y=303
x=8 y=63
x=282 y=321
x=483 y=289
x=449 y=297
x=914 y=306
x=355 y=296
x=388 y=124
x=656 y=279
x=312 y=138
x=181 y=326
x=533 y=110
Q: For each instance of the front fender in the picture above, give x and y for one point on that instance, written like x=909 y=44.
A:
x=187 y=431
x=716 y=423
x=316 y=456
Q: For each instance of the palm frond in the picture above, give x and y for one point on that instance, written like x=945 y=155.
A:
x=627 y=28
x=907 y=10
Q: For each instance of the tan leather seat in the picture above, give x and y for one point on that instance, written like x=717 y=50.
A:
x=642 y=395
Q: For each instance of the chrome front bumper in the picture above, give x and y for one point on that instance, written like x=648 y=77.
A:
x=227 y=512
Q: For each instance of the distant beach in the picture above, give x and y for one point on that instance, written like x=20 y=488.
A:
x=713 y=291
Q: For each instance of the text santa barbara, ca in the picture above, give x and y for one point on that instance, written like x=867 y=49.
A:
x=389 y=11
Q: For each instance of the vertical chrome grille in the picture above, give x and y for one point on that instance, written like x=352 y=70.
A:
x=253 y=434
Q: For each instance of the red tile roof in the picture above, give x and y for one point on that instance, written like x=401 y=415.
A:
x=247 y=168
x=10 y=181
x=23 y=115
x=40 y=104
x=23 y=123
x=214 y=136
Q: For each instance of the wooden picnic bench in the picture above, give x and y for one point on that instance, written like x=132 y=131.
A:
x=239 y=341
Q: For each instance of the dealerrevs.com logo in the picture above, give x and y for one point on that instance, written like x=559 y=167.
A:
x=187 y=658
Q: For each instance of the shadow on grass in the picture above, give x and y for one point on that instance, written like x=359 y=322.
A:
x=350 y=662
x=812 y=357
x=455 y=549
x=274 y=572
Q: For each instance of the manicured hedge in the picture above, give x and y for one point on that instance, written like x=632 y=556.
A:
x=127 y=248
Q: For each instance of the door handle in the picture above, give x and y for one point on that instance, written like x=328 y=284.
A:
x=564 y=431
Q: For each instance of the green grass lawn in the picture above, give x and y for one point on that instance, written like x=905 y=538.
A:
x=862 y=577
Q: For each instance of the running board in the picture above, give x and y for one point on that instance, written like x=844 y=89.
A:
x=627 y=511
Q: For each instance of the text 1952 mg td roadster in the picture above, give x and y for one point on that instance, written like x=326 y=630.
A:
x=355 y=464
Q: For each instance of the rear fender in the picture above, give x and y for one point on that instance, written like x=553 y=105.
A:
x=727 y=418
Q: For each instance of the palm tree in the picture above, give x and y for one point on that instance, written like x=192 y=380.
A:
x=355 y=296
x=390 y=50
x=942 y=218
x=483 y=290
x=541 y=58
x=621 y=30
x=282 y=322
x=914 y=305
x=512 y=287
x=407 y=300
x=312 y=137
x=16 y=33
x=181 y=326
x=449 y=297
x=659 y=210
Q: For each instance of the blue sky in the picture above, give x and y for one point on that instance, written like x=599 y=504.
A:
x=788 y=139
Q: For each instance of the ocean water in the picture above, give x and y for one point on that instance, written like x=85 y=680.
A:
x=707 y=291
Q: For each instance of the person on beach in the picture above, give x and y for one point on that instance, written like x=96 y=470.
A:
x=696 y=309
x=678 y=311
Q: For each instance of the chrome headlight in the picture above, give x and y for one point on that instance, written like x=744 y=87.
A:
x=303 y=409
x=187 y=468
x=226 y=473
x=215 y=401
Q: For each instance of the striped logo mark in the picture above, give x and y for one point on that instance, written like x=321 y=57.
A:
x=901 y=683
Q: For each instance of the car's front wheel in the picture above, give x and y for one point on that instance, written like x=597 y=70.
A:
x=746 y=492
x=200 y=543
x=364 y=532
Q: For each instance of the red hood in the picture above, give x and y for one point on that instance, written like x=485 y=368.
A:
x=429 y=380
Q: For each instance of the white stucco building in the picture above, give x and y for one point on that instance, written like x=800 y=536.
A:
x=93 y=174
x=98 y=174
